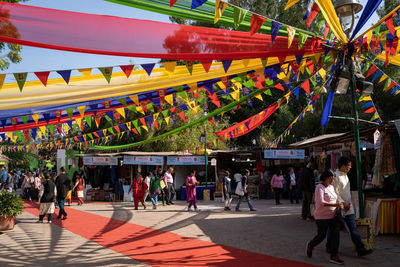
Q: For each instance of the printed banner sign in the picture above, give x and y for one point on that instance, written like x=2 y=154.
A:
x=186 y=160
x=144 y=160
x=100 y=161
x=284 y=154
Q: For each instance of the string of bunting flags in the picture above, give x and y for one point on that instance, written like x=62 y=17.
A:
x=369 y=107
x=380 y=76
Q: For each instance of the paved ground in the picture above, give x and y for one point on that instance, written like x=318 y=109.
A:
x=271 y=230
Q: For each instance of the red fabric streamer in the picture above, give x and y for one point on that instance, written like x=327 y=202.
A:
x=279 y=86
x=252 y=123
x=326 y=31
x=109 y=35
x=391 y=85
x=306 y=87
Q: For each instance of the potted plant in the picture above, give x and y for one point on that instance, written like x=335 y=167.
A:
x=11 y=205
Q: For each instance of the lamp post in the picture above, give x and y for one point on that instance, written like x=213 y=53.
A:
x=346 y=10
x=203 y=138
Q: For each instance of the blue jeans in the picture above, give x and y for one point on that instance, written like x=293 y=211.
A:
x=354 y=233
x=62 y=212
x=154 y=198
x=248 y=202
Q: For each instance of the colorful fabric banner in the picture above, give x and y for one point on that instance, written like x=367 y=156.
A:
x=220 y=7
x=331 y=17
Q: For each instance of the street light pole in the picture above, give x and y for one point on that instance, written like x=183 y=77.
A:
x=205 y=146
x=356 y=138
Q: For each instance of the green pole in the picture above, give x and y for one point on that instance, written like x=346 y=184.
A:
x=205 y=149
x=356 y=139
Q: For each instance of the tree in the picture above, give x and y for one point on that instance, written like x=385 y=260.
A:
x=11 y=51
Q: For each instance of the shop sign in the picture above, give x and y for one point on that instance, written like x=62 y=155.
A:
x=284 y=154
x=144 y=160
x=188 y=160
x=100 y=161
x=377 y=139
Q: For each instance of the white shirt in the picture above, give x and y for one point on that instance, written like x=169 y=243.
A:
x=341 y=184
x=147 y=181
x=292 y=179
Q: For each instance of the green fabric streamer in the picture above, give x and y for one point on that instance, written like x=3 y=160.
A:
x=70 y=112
x=238 y=16
x=204 y=13
x=88 y=120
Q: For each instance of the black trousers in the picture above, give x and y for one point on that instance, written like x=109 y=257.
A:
x=307 y=199
x=171 y=192
x=322 y=228
x=277 y=193
x=49 y=216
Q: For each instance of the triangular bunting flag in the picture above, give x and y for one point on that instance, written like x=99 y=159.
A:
x=81 y=110
x=206 y=64
x=148 y=67
x=35 y=117
x=226 y=64
x=302 y=39
x=291 y=33
x=291 y=3
x=220 y=7
x=107 y=73
x=256 y=23
x=371 y=71
x=121 y=111
x=43 y=76
x=306 y=86
x=189 y=66
x=20 y=78
x=65 y=74
x=197 y=3
x=127 y=69
x=238 y=16
x=275 y=27
x=169 y=66
x=313 y=14
x=85 y=72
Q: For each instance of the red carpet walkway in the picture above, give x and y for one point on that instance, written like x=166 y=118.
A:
x=159 y=248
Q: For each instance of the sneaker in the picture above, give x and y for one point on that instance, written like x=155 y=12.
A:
x=144 y=207
x=364 y=252
x=39 y=221
x=308 y=250
x=154 y=207
x=64 y=218
x=49 y=222
x=172 y=203
x=58 y=217
x=237 y=210
x=227 y=208
x=197 y=210
x=189 y=209
x=336 y=260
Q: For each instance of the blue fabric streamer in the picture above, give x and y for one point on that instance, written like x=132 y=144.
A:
x=327 y=109
x=377 y=75
x=275 y=27
x=369 y=10
x=226 y=64
x=197 y=3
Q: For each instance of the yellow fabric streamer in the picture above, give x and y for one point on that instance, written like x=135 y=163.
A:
x=291 y=3
x=392 y=60
x=331 y=17
x=220 y=7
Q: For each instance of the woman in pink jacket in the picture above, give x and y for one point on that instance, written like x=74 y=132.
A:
x=326 y=205
x=277 y=181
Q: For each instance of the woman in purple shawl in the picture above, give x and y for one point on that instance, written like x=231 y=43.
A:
x=191 y=183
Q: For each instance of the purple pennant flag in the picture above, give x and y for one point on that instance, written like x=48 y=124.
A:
x=296 y=92
x=174 y=119
x=197 y=3
x=80 y=138
x=226 y=64
x=150 y=119
x=377 y=75
x=275 y=27
x=148 y=67
x=208 y=85
x=46 y=117
x=184 y=107
x=123 y=127
x=100 y=133
x=299 y=58
x=69 y=124
x=367 y=105
x=389 y=38
x=110 y=114
x=33 y=133
x=3 y=136
x=247 y=125
x=65 y=74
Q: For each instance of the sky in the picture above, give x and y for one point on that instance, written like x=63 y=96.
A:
x=39 y=59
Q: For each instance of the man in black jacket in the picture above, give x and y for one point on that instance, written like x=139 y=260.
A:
x=307 y=186
x=63 y=184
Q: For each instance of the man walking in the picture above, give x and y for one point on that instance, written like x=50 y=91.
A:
x=169 y=182
x=342 y=187
x=307 y=185
x=62 y=184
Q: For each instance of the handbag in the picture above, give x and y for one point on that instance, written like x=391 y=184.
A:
x=339 y=216
x=239 y=189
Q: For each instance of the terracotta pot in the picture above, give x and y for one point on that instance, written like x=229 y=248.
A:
x=7 y=223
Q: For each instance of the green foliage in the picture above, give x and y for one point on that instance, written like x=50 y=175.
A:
x=19 y=159
x=10 y=204
x=11 y=52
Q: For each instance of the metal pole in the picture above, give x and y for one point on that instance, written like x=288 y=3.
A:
x=356 y=139
x=205 y=149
